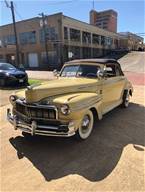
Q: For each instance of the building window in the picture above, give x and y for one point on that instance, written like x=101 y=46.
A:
x=52 y=57
x=27 y=37
x=76 y=52
x=75 y=35
x=65 y=33
x=1 y=56
x=86 y=52
x=116 y=42
x=96 y=39
x=103 y=39
x=109 y=41
x=9 y=40
x=1 y=43
x=86 y=37
x=50 y=32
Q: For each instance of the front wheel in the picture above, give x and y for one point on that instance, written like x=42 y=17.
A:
x=86 y=126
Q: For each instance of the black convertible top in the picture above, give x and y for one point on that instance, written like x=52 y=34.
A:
x=100 y=61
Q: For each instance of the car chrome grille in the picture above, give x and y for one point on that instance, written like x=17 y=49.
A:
x=36 y=112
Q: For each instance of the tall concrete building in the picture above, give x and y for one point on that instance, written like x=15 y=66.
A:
x=105 y=19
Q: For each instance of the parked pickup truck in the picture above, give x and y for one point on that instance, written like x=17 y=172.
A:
x=83 y=92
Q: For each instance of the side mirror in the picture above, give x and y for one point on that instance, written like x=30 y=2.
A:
x=100 y=74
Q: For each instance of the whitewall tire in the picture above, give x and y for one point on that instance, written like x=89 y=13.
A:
x=86 y=126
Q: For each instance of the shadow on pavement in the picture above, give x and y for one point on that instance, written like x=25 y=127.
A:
x=94 y=158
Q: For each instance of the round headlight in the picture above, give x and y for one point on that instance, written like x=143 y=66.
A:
x=12 y=98
x=65 y=109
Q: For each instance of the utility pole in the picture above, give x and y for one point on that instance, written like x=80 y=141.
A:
x=11 y=6
x=93 y=5
x=44 y=23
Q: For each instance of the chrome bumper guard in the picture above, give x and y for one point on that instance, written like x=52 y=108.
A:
x=35 y=129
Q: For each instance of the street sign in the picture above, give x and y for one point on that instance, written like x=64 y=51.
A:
x=41 y=23
x=70 y=54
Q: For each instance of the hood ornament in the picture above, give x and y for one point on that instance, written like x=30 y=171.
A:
x=32 y=86
x=29 y=87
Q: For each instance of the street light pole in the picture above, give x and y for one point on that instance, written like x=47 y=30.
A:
x=45 y=35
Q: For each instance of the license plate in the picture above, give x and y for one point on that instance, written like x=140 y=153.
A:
x=21 y=80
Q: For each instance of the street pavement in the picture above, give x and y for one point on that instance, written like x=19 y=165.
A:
x=133 y=65
x=111 y=159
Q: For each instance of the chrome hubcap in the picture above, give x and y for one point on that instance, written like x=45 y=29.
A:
x=85 y=123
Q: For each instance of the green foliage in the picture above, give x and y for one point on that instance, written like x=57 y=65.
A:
x=34 y=81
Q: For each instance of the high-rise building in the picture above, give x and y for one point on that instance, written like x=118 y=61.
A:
x=105 y=19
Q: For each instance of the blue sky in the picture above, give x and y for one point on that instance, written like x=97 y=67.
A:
x=130 y=12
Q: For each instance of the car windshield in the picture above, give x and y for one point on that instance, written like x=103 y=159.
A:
x=6 y=66
x=89 y=71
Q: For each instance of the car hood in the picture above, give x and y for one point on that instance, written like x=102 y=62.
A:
x=13 y=72
x=59 y=87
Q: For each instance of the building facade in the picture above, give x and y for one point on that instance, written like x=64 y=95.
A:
x=66 y=39
x=31 y=42
x=105 y=19
x=132 y=41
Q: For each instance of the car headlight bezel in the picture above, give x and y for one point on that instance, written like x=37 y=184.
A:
x=65 y=109
x=13 y=99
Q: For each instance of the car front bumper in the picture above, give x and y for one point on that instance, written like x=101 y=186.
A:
x=13 y=80
x=63 y=130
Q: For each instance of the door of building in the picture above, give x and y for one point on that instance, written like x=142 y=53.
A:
x=33 y=60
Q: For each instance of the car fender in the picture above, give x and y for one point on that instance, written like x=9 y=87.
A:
x=129 y=87
x=80 y=102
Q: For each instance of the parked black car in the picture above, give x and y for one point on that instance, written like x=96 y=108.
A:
x=10 y=75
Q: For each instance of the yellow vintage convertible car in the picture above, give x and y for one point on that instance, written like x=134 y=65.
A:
x=84 y=91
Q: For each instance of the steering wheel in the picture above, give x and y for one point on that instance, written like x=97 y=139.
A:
x=91 y=75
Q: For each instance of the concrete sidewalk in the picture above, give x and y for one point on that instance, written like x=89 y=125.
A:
x=44 y=75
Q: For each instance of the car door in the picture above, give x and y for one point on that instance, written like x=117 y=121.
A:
x=112 y=87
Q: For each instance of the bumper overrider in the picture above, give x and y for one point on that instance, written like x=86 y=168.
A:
x=34 y=127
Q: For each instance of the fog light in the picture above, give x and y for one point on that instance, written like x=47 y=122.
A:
x=65 y=109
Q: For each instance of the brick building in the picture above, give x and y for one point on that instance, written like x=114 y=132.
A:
x=132 y=41
x=65 y=37
x=104 y=19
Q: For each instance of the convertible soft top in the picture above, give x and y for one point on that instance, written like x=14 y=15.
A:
x=101 y=61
